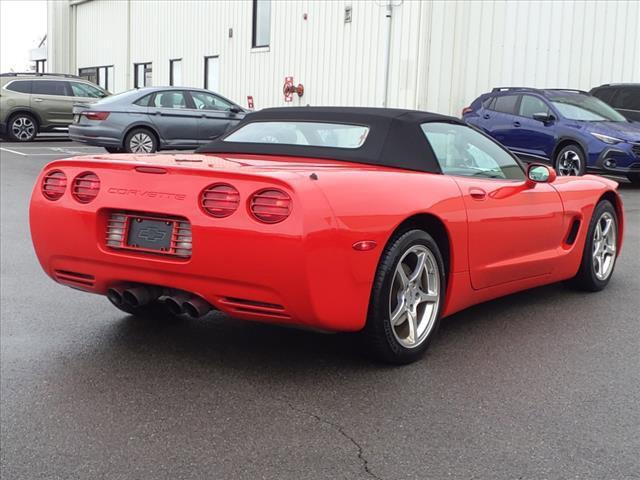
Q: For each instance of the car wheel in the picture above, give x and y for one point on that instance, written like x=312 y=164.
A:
x=113 y=149
x=634 y=178
x=407 y=298
x=570 y=161
x=141 y=140
x=22 y=128
x=599 y=254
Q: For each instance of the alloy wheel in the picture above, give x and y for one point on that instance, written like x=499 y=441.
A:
x=569 y=163
x=141 y=143
x=414 y=296
x=604 y=246
x=23 y=128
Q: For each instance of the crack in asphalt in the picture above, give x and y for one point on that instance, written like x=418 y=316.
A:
x=363 y=460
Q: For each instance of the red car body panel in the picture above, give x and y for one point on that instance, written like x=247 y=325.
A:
x=504 y=236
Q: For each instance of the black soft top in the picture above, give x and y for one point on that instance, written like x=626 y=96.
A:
x=395 y=138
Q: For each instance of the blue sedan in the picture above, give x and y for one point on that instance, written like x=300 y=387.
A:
x=157 y=118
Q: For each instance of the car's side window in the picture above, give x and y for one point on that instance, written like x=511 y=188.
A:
x=605 y=94
x=505 y=104
x=144 y=101
x=170 y=99
x=461 y=150
x=208 y=101
x=627 y=98
x=51 y=87
x=20 y=86
x=530 y=105
x=85 y=90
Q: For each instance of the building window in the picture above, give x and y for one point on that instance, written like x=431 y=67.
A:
x=41 y=66
x=175 y=72
x=142 y=75
x=212 y=73
x=102 y=76
x=261 y=23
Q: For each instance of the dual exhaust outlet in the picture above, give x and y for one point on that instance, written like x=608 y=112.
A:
x=177 y=302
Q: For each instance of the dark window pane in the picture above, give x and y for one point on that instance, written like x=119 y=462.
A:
x=22 y=86
x=605 y=94
x=628 y=98
x=505 y=104
x=207 y=101
x=144 y=101
x=50 y=87
x=261 y=23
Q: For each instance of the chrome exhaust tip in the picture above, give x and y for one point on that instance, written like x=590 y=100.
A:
x=196 y=307
x=140 y=295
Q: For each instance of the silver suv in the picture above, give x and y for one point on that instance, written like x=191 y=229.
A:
x=41 y=102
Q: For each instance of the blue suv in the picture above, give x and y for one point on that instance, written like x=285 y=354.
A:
x=570 y=129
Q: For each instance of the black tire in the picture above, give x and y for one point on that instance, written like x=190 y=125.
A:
x=134 y=139
x=113 y=149
x=586 y=278
x=570 y=160
x=379 y=335
x=634 y=178
x=22 y=127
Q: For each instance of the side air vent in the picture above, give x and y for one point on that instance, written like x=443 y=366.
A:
x=573 y=232
x=262 y=309
x=74 y=279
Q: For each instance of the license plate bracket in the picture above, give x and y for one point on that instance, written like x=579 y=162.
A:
x=150 y=234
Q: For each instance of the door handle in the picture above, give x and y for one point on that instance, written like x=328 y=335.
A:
x=516 y=124
x=486 y=116
x=38 y=100
x=477 y=193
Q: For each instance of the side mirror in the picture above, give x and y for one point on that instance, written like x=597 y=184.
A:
x=537 y=173
x=544 y=118
x=234 y=110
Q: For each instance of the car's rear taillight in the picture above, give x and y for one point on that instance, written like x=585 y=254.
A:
x=85 y=187
x=95 y=115
x=220 y=200
x=466 y=110
x=54 y=185
x=270 y=205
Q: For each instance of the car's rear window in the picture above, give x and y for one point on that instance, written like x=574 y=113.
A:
x=313 y=134
x=20 y=86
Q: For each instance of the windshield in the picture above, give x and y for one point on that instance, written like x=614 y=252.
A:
x=335 y=135
x=585 y=108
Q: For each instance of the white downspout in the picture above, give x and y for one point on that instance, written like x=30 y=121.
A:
x=386 y=51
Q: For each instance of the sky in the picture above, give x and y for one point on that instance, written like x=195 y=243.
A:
x=23 y=23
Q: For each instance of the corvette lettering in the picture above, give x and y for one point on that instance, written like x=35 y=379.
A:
x=146 y=193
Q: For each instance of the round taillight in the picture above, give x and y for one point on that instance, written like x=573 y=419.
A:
x=85 y=187
x=54 y=185
x=220 y=200
x=271 y=205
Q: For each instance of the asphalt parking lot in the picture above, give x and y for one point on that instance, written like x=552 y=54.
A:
x=543 y=384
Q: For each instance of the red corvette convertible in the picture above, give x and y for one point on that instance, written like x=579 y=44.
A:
x=339 y=219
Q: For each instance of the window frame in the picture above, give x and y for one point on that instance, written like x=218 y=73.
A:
x=516 y=106
x=189 y=105
x=216 y=96
x=98 y=68
x=206 y=71
x=172 y=62
x=254 y=42
x=136 y=78
x=29 y=81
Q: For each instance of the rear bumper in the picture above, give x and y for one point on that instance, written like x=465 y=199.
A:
x=95 y=136
x=296 y=272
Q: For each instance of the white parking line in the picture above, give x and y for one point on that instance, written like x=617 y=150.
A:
x=12 y=151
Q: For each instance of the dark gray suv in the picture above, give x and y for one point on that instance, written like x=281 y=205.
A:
x=156 y=118
x=624 y=97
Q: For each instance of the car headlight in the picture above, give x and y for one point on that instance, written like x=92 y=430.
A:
x=606 y=138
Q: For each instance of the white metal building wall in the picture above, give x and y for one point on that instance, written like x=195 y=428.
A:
x=443 y=53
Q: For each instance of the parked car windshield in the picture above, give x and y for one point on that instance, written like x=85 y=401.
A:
x=585 y=108
x=460 y=150
x=313 y=134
